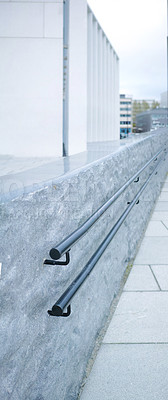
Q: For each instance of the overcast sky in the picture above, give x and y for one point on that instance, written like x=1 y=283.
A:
x=137 y=30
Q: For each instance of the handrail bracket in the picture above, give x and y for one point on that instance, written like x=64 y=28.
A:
x=66 y=314
x=55 y=262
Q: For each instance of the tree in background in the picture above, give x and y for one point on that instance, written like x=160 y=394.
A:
x=145 y=106
x=155 y=104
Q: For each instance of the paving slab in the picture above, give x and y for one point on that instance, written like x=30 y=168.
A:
x=161 y=206
x=165 y=223
x=140 y=317
x=165 y=187
x=141 y=278
x=159 y=216
x=153 y=250
x=129 y=372
x=156 y=228
x=161 y=273
x=163 y=196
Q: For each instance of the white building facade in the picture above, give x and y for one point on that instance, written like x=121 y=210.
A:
x=125 y=115
x=50 y=104
x=103 y=85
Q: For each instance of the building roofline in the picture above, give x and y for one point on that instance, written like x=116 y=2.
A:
x=90 y=10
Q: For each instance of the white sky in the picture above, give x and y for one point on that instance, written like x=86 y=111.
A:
x=137 y=29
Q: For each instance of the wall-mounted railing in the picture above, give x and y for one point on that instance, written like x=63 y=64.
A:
x=64 y=246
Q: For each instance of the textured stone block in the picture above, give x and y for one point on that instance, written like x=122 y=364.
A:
x=45 y=357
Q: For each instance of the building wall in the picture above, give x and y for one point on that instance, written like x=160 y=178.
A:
x=103 y=85
x=143 y=122
x=77 y=136
x=139 y=106
x=31 y=73
x=125 y=114
x=164 y=99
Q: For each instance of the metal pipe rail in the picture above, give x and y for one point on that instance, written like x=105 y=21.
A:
x=62 y=302
x=65 y=245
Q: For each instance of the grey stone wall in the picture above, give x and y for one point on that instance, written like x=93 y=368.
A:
x=43 y=357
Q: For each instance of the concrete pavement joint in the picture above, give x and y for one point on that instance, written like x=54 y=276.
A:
x=148 y=264
x=155 y=277
x=144 y=291
x=133 y=343
x=164 y=224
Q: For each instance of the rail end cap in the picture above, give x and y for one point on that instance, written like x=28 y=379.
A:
x=55 y=254
x=57 y=310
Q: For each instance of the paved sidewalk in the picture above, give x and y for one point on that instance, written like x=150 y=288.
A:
x=132 y=363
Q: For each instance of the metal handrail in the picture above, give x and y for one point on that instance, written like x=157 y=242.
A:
x=62 y=302
x=65 y=245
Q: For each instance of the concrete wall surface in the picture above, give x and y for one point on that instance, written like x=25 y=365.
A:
x=44 y=357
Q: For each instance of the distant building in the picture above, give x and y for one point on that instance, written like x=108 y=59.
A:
x=152 y=119
x=125 y=115
x=140 y=106
x=163 y=99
